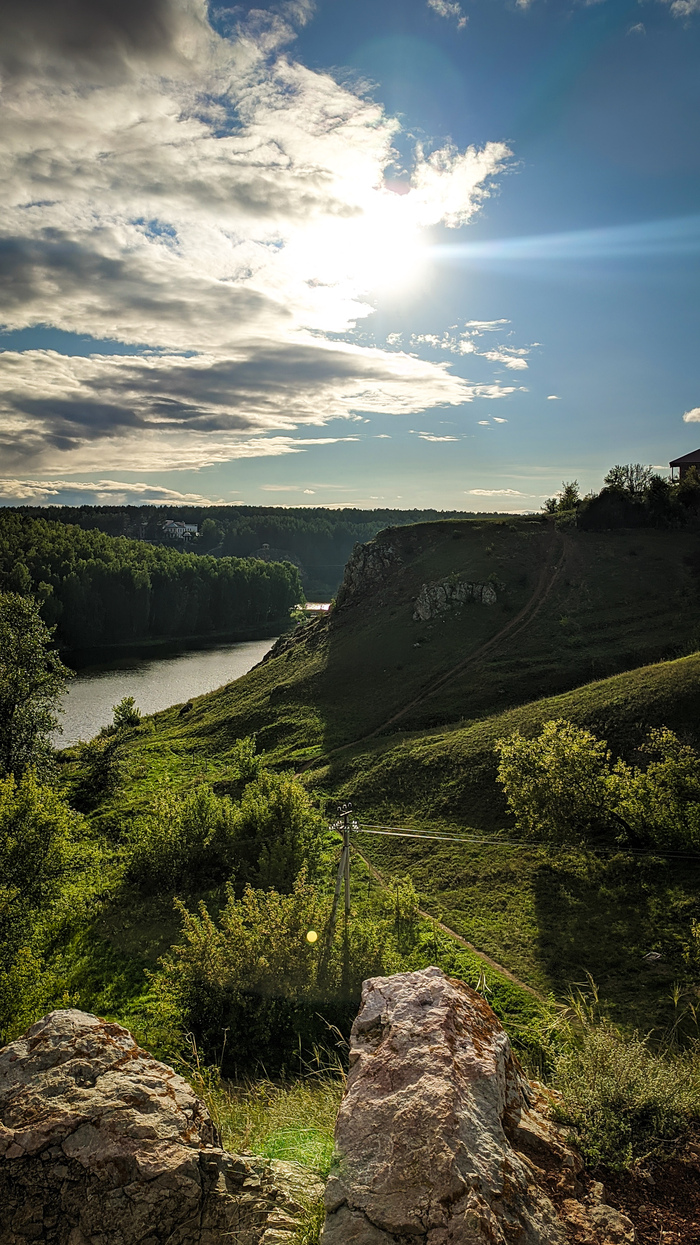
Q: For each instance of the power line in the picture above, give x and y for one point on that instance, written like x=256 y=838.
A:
x=405 y=832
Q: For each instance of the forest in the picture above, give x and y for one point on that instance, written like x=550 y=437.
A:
x=98 y=589
x=317 y=540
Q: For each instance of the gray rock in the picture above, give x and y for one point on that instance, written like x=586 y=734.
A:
x=449 y=594
x=102 y=1145
x=440 y=1138
x=367 y=570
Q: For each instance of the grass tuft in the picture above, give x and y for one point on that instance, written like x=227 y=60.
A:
x=293 y=1121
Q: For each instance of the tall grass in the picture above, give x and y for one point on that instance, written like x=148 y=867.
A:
x=292 y=1121
x=628 y=1097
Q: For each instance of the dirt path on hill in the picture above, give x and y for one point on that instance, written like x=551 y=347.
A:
x=548 y=577
x=522 y=619
x=486 y=959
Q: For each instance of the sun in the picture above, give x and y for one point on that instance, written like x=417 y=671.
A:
x=379 y=247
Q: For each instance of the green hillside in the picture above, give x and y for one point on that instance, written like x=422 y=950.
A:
x=570 y=607
x=402 y=715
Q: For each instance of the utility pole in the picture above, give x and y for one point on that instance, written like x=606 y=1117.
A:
x=344 y=824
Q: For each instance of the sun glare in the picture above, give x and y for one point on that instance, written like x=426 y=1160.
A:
x=378 y=248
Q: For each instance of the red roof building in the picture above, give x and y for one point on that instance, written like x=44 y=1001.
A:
x=684 y=463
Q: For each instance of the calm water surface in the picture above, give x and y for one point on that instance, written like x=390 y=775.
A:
x=155 y=679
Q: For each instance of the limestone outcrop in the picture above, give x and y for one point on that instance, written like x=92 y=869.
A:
x=441 y=1140
x=367 y=569
x=449 y=594
x=102 y=1145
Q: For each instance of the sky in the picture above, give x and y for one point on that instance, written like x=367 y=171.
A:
x=402 y=253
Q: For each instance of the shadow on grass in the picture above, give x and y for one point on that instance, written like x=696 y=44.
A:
x=602 y=917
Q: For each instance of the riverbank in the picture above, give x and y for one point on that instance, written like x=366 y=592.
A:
x=156 y=676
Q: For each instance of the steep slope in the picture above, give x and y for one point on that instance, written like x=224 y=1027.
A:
x=511 y=612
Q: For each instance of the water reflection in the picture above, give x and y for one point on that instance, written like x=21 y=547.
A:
x=155 y=681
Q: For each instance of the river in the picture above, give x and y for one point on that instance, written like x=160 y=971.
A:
x=155 y=678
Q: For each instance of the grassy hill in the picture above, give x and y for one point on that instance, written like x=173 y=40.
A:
x=571 y=607
x=401 y=716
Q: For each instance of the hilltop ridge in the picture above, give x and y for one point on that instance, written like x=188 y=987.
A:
x=570 y=607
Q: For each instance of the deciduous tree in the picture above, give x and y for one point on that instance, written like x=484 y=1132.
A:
x=32 y=678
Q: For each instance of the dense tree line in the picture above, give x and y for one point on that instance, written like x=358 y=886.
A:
x=319 y=541
x=100 y=589
x=634 y=495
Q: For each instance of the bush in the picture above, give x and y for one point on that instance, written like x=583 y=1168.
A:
x=278 y=832
x=182 y=842
x=563 y=785
x=265 y=839
x=627 y=1100
x=36 y=857
x=253 y=986
x=126 y=714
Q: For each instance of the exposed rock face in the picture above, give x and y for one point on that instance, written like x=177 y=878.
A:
x=102 y=1145
x=367 y=569
x=448 y=594
x=441 y=1140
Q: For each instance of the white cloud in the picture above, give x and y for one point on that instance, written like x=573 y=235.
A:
x=450 y=186
x=184 y=192
x=100 y=492
x=499 y=356
x=496 y=492
x=683 y=8
x=430 y=436
x=463 y=343
x=190 y=412
x=484 y=423
x=638 y=29
x=477 y=327
x=448 y=8
x=498 y=419
x=553 y=397
x=692 y=417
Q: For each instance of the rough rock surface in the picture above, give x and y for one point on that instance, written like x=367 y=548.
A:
x=448 y=594
x=102 y=1145
x=367 y=570
x=440 y=1138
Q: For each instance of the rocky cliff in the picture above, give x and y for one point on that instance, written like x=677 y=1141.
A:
x=102 y=1145
x=366 y=571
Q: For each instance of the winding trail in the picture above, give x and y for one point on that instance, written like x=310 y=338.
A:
x=486 y=959
x=547 y=579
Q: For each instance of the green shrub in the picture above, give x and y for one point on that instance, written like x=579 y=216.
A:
x=182 y=842
x=628 y=1099
x=126 y=714
x=37 y=829
x=254 y=990
x=278 y=832
x=265 y=838
x=563 y=786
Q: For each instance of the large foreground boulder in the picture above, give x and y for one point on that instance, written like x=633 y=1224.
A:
x=441 y=1140
x=102 y=1145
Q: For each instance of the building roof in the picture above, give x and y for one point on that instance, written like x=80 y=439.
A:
x=693 y=457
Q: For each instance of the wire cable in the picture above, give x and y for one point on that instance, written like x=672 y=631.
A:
x=405 y=832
